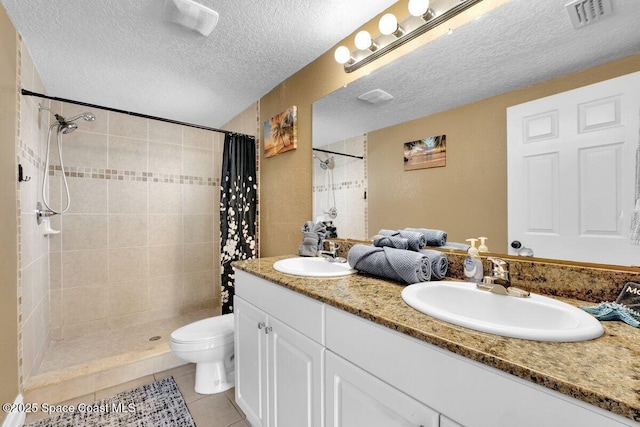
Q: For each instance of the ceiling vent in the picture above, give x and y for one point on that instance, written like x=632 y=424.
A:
x=585 y=12
x=375 y=96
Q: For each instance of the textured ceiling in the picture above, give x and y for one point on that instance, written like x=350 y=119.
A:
x=516 y=45
x=120 y=53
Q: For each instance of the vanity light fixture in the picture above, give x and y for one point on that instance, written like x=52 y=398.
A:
x=421 y=9
x=389 y=25
x=423 y=16
x=363 y=41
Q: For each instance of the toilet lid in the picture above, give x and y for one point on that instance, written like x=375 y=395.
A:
x=219 y=328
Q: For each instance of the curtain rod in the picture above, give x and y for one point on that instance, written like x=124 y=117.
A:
x=130 y=113
x=339 y=154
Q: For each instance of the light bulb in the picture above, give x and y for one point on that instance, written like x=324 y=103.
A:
x=363 y=40
x=388 y=24
x=342 y=55
x=418 y=7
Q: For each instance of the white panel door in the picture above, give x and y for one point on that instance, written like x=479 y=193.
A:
x=295 y=377
x=355 y=398
x=251 y=361
x=571 y=172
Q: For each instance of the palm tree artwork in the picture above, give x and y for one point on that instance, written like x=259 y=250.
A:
x=425 y=153
x=281 y=132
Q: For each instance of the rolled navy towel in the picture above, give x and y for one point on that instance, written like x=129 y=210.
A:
x=390 y=263
x=391 y=241
x=321 y=231
x=309 y=245
x=415 y=240
x=432 y=237
x=439 y=263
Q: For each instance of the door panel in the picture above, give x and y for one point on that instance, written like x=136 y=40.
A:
x=251 y=360
x=295 y=378
x=356 y=398
x=571 y=172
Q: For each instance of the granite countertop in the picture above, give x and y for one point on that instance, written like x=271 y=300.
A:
x=604 y=372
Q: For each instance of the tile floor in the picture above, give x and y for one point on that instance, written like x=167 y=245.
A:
x=216 y=410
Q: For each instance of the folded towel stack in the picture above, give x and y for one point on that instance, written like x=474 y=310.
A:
x=415 y=240
x=391 y=242
x=390 y=263
x=313 y=238
x=439 y=263
x=432 y=237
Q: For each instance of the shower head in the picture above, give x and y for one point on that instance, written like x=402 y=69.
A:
x=67 y=127
x=329 y=163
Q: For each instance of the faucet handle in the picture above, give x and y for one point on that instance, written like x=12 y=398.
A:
x=498 y=264
x=499 y=267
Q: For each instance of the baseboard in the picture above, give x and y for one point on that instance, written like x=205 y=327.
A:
x=16 y=418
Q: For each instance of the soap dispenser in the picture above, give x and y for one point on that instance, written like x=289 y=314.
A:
x=473 y=270
x=483 y=247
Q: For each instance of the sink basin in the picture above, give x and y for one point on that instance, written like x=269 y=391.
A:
x=313 y=267
x=535 y=318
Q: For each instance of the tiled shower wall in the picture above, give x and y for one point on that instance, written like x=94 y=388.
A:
x=349 y=185
x=140 y=241
x=33 y=286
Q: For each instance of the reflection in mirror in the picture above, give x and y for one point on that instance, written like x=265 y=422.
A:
x=461 y=85
x=339 y=186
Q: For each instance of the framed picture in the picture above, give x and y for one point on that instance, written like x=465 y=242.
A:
x=281 y=132
x=425 y=153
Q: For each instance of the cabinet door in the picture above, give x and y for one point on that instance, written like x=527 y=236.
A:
x=356 y=398
x=251 y=361
x=295 y=378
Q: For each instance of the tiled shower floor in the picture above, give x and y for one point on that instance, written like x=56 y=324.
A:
x=103 y=344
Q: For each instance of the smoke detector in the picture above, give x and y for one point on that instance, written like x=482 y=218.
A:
x=585 y=12
x=375 y=96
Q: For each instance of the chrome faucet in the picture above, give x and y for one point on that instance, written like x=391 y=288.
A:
x=332 y=254
x=500 y=272
x=500 y=280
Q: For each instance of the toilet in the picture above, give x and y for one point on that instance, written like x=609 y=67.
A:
x=209 y=344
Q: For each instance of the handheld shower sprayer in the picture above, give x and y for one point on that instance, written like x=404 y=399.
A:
x=64 y=126
x=327 y=165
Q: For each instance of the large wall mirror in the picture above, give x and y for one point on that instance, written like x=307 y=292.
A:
x=460 y=86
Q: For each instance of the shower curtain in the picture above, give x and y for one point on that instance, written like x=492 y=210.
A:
x=237 y=209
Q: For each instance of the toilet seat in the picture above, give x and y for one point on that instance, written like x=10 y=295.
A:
x=210 y=332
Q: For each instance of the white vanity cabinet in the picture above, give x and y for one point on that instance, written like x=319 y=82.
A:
x=279 y=370
x=301 y=363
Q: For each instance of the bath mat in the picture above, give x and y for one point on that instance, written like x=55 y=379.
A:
x=157 y=404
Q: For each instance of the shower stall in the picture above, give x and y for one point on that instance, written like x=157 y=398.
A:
x=137 y=254
x=135 y=201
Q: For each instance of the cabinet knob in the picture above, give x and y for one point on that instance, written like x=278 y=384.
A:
x=261 y=325
x=268 y=329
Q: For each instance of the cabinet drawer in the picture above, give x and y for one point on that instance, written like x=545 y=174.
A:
x=302 y=313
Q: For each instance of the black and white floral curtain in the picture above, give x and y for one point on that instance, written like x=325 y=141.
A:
x=237 y=209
